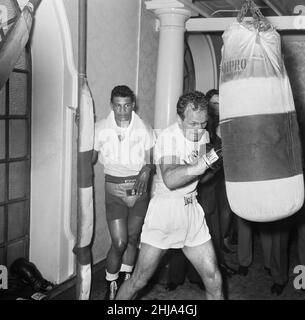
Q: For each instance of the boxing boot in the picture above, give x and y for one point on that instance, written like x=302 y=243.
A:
x=112 y=288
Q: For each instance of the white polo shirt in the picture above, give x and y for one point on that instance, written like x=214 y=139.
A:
x=122 y=150
x=172 y=143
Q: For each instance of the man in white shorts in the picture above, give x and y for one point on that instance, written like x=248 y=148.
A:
x=174 y=218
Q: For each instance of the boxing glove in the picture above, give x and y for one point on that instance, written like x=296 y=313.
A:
x=27 y=272
x=213 y=155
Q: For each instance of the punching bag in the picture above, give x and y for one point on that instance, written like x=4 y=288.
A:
x=261 y=145
x=15 y=39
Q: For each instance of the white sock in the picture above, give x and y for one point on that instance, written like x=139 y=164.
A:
x=126 y=268
x=111 y=276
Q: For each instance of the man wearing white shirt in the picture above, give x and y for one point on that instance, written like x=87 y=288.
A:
x=174 y=218
x=123 y=144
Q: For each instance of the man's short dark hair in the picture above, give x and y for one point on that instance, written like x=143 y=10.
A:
x=196 y=98
x=122 y=91
x=211 y=93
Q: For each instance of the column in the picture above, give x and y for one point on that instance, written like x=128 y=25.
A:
x=169 y=82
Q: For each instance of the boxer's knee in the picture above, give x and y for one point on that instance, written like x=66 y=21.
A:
x=133 y=239
x=119 y=245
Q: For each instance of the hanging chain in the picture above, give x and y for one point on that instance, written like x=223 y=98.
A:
x=259 y=21
x=243 y=11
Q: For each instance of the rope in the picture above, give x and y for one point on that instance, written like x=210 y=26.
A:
x=259 y=21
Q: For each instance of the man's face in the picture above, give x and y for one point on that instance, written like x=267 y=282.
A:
x=122 y=108
x=194 y=123
x=214 y=105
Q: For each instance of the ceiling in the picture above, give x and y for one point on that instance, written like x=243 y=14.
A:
x=229 y=8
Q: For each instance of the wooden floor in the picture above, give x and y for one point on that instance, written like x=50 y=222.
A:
x=255 y=286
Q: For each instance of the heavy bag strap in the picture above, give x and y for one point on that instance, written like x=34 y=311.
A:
x=259 y=21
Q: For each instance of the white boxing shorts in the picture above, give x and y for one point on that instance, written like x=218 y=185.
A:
x=175 y=221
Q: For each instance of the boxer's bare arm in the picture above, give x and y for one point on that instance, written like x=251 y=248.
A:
x=178 y=175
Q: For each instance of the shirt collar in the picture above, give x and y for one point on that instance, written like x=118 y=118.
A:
x=113 y=122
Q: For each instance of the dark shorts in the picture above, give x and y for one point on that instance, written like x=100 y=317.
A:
x=117 y=209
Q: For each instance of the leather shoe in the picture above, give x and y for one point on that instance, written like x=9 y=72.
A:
x=277 y=288
x=111 y=291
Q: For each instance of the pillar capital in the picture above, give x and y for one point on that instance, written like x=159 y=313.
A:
x=163 y=4
x=169 y=12
x=172 y=17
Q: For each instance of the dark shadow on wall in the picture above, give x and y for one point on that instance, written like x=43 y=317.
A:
x=293 y=48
